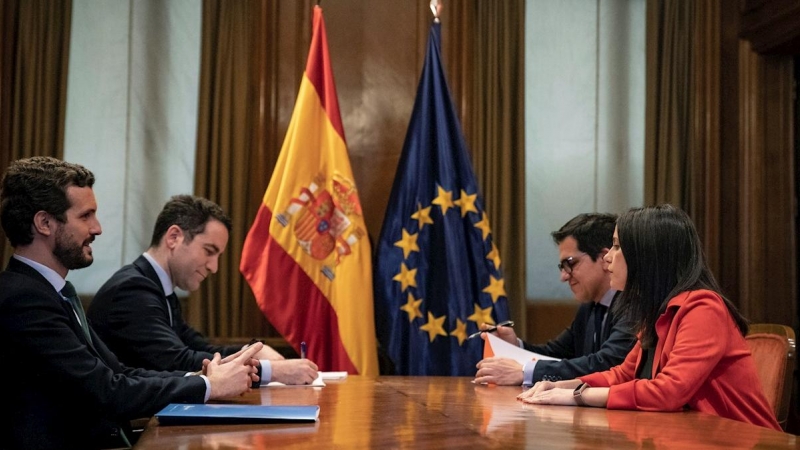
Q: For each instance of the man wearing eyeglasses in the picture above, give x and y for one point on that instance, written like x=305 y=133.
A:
x=596 y=340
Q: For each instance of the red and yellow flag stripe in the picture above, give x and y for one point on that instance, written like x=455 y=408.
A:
x=307 y=256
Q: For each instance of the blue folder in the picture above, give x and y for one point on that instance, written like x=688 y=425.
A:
x=199 y=414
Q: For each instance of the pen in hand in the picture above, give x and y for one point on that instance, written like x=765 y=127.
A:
x=507 y=323
x=303 y=350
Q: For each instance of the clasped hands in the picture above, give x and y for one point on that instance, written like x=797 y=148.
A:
x=234 y=374
x=551 y=393
x=286 y=371
x=562 y=393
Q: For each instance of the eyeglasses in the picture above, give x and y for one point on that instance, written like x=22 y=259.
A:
x=568 y=263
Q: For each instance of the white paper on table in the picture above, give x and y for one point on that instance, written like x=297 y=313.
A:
x=316 y=383
x=333 y=375
x=503 y=349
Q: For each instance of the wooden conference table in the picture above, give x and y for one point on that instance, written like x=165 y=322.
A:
x=451 y=412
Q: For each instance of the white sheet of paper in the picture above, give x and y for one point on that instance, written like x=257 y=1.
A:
x=503 y=349
x=316 y=383
x=333 y=375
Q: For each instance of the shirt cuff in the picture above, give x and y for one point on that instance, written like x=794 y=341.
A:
x=208 y=388
x=266 y=371
x=527 y=373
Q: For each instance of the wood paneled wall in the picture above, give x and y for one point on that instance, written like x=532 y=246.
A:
x=766 y=154
x=766 y=121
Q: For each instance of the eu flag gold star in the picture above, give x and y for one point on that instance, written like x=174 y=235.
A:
x=434 y=326
x=408 y=243
x=481 y=315
x=496 y=288
x=467 y=203
x=407 y=277
x=423 y=216
x=483 y=225
x=412 y=308
x=444 y=200
x=460 y=331
x=494 y=256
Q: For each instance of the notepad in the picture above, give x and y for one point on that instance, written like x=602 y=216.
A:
x=316 y=383
x=333 y=375
x=200 y=414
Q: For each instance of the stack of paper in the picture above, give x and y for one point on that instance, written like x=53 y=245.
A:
x=316 y=383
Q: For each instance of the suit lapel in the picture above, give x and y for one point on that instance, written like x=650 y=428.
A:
x=21 y=268
x=146 y=269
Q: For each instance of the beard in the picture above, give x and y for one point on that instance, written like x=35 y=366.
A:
x=70 y=253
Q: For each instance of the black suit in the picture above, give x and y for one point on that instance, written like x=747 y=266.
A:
x=130 y=314
x=59 y=392
x=575 y=346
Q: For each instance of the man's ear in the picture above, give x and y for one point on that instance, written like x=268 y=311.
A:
x=173 y=237
x=44 y=223
x=603 y=252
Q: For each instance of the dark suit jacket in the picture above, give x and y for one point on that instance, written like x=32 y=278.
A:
x=130 y=313
x=574 y=346
x=59 y=391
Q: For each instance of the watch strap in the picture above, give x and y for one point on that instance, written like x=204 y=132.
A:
x=577 y=394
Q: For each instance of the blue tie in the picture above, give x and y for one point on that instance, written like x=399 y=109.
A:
x=599 y=313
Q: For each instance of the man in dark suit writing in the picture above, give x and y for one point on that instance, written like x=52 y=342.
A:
x=596 y=340
x=137 y=312
x=69 y=390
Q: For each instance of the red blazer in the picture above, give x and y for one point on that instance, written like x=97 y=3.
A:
x=702 y=362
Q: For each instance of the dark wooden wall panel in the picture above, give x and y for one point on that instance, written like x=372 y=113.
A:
x=376 y=62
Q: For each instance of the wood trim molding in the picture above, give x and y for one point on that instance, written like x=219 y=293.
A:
x=771 y=27
x=767 y=253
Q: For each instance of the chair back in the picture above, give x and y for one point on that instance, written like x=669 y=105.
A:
x=773 y=348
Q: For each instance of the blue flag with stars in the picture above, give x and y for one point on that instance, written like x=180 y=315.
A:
x=437 y=272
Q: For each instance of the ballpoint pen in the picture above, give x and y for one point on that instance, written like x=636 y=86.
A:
x=507 y=323
x=303 y=350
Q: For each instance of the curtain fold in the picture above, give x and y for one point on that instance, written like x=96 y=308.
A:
x=668 y=119
x=226 y=116
x=251 y=51
x=484 y=51
x=34 y=56
x=682 y=131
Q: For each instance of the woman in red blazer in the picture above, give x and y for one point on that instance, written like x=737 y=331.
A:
x=691 y=352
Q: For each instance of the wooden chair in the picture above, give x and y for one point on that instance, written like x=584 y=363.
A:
x=773 y=348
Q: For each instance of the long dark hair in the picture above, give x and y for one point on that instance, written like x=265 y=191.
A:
x=664 y=257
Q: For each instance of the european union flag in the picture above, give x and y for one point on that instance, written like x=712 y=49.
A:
x=437 y=272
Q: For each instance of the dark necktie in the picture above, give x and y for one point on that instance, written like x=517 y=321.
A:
x=175 y=308
x=599 y=313
x=68 y=291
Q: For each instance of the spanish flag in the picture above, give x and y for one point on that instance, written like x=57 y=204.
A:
x=307 y=256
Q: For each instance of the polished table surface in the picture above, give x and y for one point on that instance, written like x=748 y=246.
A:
x=451 y=412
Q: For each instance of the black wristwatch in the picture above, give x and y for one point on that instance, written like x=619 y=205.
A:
x=578 y=392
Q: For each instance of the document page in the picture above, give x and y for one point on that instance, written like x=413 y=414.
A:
x=316 y=383
x=503 y=349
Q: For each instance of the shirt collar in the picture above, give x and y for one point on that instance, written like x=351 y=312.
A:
x=166 y=281
x=608 y=297
x=49 y=274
